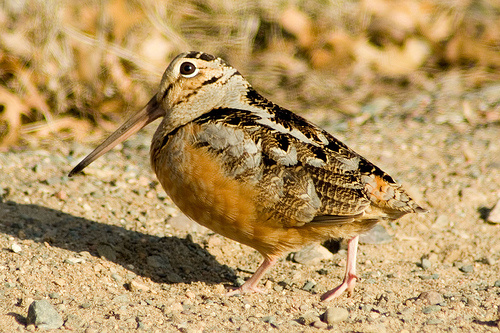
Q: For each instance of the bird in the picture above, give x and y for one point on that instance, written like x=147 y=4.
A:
x=257 y=173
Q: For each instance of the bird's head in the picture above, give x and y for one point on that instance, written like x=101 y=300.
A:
x=193 y=84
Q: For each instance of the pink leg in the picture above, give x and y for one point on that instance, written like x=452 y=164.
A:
x=251 y=284
x=350 y=273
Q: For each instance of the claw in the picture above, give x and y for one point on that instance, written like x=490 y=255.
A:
x=250 y=286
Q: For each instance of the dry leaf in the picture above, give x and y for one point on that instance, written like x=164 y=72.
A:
x=394 y=60
x=10 y=118
x=298 y=24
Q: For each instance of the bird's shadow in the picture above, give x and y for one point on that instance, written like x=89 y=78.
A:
x=162 y=259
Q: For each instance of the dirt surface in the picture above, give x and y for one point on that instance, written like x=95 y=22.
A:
x=110 y=251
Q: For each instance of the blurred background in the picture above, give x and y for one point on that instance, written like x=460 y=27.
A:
x=70 y=68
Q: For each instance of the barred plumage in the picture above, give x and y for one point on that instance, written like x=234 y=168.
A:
x=255 y=172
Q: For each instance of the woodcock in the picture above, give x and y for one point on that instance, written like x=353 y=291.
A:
x=255 y=172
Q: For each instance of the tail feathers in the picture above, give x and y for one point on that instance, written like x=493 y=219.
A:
x=389 y=196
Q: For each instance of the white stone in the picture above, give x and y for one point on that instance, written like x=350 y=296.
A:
x=494 y=215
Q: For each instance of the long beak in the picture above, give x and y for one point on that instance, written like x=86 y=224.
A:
x=149 y=113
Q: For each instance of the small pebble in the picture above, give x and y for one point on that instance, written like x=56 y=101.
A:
x=175 y=278
x=106 y=251
x=73 y=322
x=434 y=321
x=312 y=254
x=497 y=284
x=72 y=261
x=335 y=315
x=366 y=307
x=308 y=318
x=494 y=215
x=123 y=298
x=54 y=295
x=156 y=261
x=61 y=195
x=377 y=235
x=319 y=324
x=86 y=305
x=431 y=297
x=16 y=248
x=60 y=282
x=268 y=284
x=425 y=263
x=43 y=315
x=239 y=281
x=305 y=307
x=9 y=285
x=137 y=286
x=472 y=302
x=434 y=276
x=431 y=309
x=270 y=320
x=116 y=277
x=277 y=288
x=467 y=268
x=309 y=285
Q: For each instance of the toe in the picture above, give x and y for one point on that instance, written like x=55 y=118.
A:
x=244 y=290
x=334 y=293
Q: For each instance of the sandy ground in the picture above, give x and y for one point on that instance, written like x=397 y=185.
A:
x=111 y=252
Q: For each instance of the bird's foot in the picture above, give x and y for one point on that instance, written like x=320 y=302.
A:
x=250 y=286
x=245 y=289
x=348 y=284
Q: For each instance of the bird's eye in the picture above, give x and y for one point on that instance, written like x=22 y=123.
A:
x=188 y=69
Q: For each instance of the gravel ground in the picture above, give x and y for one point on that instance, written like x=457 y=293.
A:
x=109 y=251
